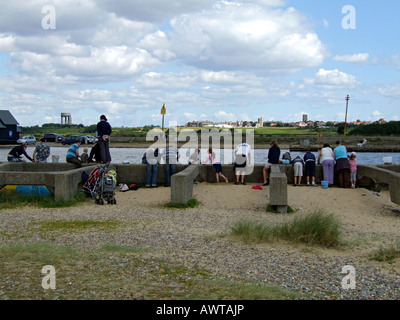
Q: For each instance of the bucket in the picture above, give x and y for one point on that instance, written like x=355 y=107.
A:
x=55 y=158
x=324 y=184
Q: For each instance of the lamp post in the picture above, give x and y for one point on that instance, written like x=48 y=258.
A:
x=347 y=108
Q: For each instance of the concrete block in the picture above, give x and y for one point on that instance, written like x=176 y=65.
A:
x=182 y=184
x=278 y=189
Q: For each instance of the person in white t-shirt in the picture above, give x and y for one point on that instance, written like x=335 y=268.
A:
x=242 y=159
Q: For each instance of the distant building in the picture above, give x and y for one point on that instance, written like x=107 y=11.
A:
x=305 y=118
x=301 y=124
x=260 y=122
x=9 y=130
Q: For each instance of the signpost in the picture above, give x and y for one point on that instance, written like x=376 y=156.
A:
x=163 y=112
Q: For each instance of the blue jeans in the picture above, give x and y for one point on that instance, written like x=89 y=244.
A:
x=151 y=175
x=170 y=170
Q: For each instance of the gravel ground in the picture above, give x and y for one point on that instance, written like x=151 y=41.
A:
x=200 y=236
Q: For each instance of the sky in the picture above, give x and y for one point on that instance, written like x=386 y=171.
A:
x=204 y=59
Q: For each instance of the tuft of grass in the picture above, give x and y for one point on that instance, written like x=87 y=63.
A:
x=18 y=200
x=387 y=254
x=192 y=203
x=317 y=227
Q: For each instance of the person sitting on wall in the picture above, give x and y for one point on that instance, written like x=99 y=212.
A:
x=15 y=155
x=73 y=154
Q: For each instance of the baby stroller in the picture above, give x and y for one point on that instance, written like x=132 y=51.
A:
x=100 y=185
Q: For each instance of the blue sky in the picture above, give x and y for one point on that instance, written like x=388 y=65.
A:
x=205 y=59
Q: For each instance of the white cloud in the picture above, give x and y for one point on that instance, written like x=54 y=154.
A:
x=356 y=58
x=269 y=3
x=376 y=115
x=390 y=90
x=335 y=79
x=240 y=37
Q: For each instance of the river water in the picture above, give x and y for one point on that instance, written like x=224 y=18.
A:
x=134 y=155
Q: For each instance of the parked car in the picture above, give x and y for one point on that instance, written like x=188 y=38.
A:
x=27 y=140
x=91 y=139
x=74 y=138
x=53 y=137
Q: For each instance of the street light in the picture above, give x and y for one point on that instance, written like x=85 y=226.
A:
x=347 y=108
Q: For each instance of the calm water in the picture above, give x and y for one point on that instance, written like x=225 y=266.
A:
x=134 y=155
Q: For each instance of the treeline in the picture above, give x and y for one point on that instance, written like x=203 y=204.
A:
x=376 y=129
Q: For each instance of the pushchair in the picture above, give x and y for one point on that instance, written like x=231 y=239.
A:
x=100 y=185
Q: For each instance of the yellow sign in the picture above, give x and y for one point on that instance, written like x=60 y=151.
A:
x=163 y=110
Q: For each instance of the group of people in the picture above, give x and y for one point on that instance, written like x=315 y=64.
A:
x=171 y=156
x=100 y=152
x=41 y=153
x=335 y=163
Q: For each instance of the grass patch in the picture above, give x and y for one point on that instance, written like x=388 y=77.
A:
x=17 y=200
x=192 y=203
x=40 y=253
x=316 y=228
x=388 y=253
x=116 y=272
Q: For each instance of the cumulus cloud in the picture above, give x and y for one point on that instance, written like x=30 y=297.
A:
x=239 y=37
x=335 y=79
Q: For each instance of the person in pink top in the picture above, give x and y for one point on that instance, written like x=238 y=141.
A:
x=216 y=164
x=353 y=169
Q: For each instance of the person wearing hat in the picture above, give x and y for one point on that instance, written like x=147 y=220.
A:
x=15 y=155
x=104 y=131
x=73 y=154
x=42 y=152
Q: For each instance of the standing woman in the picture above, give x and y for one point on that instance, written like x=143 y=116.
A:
x=327 y=158
x=342 y=165
x=104 y=132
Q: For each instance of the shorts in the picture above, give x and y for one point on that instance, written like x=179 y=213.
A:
x=310 y=169
x=240 y=171
x=217 y=167
x=298 y=169
x=268 y=165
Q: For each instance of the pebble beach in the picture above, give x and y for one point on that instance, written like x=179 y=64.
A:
x=200 y=237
